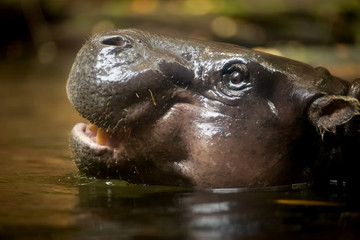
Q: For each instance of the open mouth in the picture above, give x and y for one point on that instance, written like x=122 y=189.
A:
x=99 y=138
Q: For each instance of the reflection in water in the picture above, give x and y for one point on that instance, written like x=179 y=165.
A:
x=163 y=212
x=41 y=196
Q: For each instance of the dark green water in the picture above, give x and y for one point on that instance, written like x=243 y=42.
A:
x=42 y=197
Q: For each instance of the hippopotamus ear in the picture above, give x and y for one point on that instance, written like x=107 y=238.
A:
x=328 y=112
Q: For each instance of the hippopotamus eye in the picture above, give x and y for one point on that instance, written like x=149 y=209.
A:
x=235 y=76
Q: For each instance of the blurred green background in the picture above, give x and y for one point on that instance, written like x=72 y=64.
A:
x=48 y=33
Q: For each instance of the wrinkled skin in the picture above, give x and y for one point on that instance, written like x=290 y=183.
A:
x=205 y=114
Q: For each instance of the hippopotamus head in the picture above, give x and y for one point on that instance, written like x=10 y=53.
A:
x=193 y=113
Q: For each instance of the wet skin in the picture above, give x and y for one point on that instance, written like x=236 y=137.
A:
x=203 y=114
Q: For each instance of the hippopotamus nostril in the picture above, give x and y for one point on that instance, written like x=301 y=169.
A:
x=114 y=41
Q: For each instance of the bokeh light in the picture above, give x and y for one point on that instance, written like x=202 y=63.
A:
x=224 y=27
x=144 y=6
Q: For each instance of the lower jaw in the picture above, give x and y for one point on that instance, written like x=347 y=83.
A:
x=98 y=161
x=90 y=158
x=101 y=163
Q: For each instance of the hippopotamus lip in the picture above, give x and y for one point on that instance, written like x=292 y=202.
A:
x=112 y=142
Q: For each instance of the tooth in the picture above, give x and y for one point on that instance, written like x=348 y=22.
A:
x=101 y=136
x=93 y=128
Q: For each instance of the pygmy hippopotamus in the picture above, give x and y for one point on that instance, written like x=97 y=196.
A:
x=173 y=111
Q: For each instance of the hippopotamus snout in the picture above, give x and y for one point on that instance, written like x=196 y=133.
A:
x=114 y=71
x=177 y=111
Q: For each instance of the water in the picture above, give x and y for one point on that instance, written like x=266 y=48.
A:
x=43 y=197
